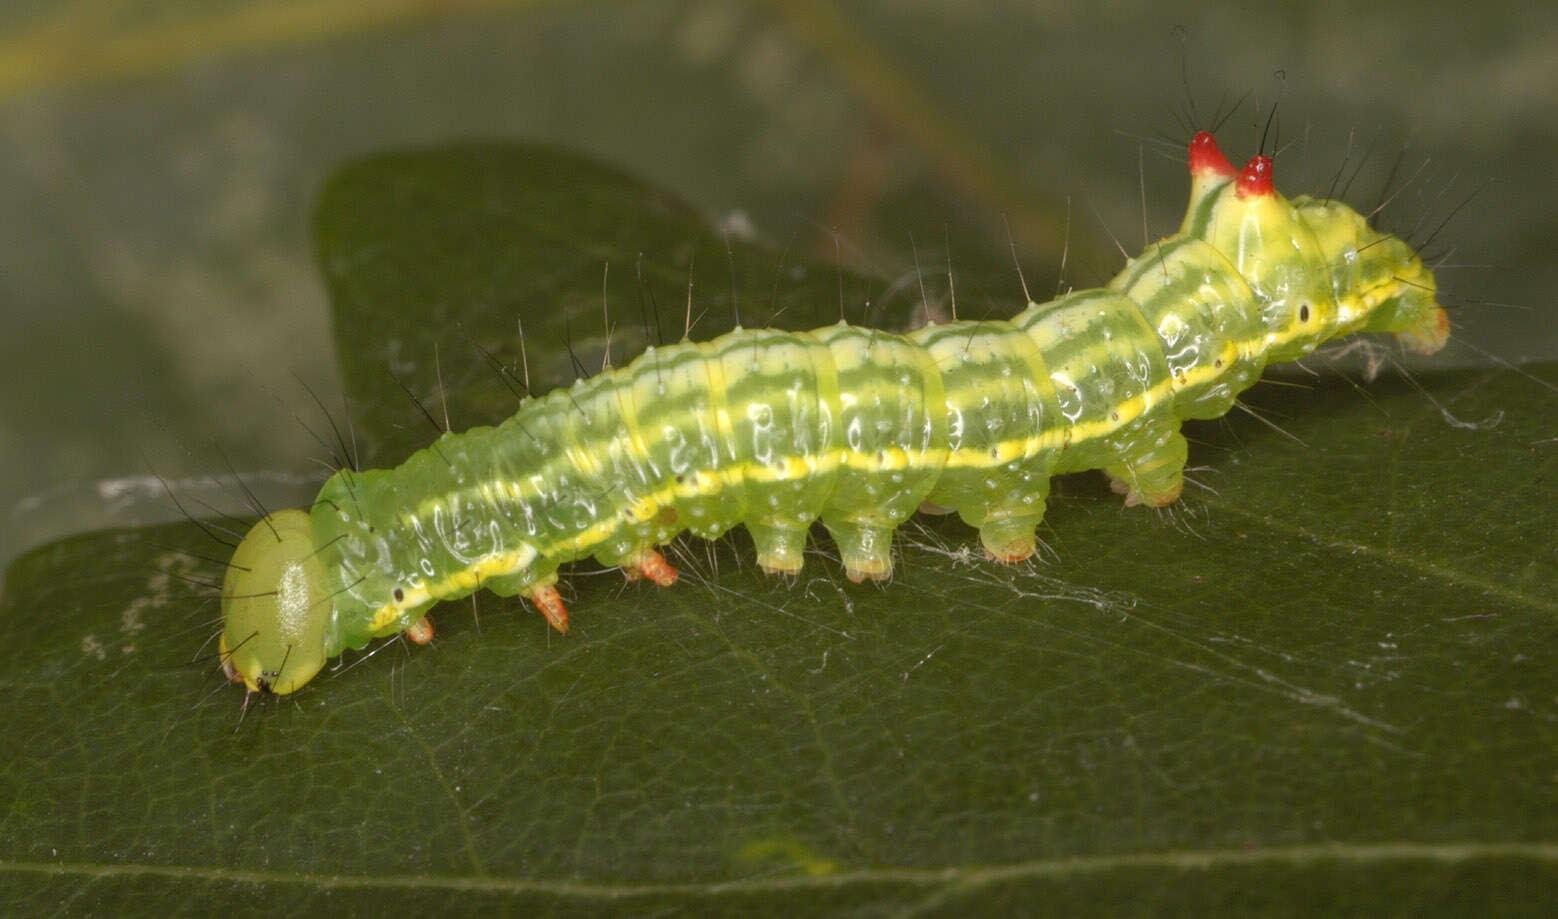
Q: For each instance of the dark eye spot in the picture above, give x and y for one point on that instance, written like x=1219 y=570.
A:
x=1303 y=313
x=680 y=479
x=399 y=595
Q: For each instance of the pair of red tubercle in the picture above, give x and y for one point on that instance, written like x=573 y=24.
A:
x=1254 y=180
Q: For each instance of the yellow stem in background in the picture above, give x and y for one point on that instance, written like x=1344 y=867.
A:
x=77 y=43
x=903 y=107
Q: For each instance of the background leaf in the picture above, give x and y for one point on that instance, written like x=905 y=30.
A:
x=1325 y=683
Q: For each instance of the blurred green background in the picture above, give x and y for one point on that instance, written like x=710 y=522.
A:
x=158 y=162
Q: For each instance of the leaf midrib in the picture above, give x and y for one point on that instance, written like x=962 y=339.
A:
x=1296 y=856
x=1446 y=575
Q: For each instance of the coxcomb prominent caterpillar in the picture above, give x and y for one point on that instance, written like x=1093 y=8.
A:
x=774 y=430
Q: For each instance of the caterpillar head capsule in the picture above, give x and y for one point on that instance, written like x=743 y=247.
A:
x=276 y=607
x=1381 y=284
x=1317 y=266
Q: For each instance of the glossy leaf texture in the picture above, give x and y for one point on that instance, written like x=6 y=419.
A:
x=1325 y=682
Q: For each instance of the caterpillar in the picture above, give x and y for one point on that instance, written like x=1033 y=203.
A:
x=774 y=430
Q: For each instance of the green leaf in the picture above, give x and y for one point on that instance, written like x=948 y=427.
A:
x=1324 y=682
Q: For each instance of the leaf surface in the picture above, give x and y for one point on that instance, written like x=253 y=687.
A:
x=1323 y=682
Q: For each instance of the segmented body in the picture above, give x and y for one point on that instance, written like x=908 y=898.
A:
x=774 y=430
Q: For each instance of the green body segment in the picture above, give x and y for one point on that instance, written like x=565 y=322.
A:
x=858 y=428
x=1198 y=310
x=1000 y=405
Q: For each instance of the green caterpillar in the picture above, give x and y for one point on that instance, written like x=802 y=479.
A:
x=859 y=428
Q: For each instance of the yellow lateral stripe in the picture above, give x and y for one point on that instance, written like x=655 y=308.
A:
x=507 y=563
